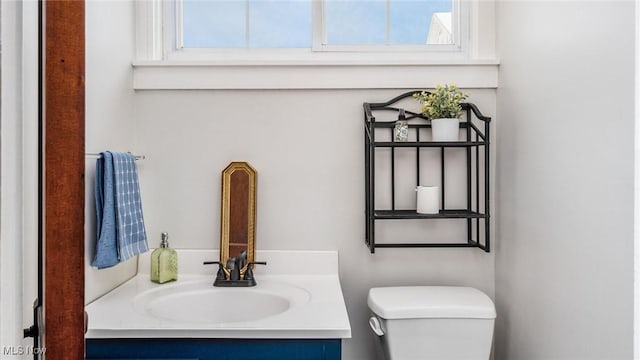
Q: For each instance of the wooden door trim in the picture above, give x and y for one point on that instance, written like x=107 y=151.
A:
x=64 y=179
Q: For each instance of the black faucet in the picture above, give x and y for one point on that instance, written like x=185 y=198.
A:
x=234 y=266
x=221 y=275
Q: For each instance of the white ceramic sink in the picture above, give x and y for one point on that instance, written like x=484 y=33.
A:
x=298 y=296
x=200 y=302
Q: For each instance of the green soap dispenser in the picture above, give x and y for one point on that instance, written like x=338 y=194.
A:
x=164 y=262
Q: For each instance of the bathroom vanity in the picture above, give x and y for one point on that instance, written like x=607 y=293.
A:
x=296 y=311
x=209 y=349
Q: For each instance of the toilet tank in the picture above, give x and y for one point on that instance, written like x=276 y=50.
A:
x=433 y=322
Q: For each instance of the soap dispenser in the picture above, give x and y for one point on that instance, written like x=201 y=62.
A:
x=164 y=262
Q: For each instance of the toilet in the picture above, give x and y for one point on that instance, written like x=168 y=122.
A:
x=432 y=322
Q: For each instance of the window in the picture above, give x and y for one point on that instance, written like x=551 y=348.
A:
x=314 y=44
x=321 y=25
x=246 y=24
x=391 y=22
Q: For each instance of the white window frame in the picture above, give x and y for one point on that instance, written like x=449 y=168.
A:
x=172 y=45
x=161 y=63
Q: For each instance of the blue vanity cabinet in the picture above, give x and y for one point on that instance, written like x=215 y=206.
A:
x=213 y=349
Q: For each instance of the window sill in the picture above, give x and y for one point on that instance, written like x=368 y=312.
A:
x=355 y=73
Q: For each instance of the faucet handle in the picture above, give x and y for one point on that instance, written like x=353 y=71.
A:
x=220 y=275
x=248 y=275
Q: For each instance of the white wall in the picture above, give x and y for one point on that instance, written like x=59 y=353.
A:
x=110 y=124
x=636 y=260
x=564 y=258
x=11 y=231
x=29 y=161
x=18 y=173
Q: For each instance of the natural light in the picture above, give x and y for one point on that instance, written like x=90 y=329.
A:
x=290 y=23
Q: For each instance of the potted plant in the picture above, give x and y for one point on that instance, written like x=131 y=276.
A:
x=442 y=107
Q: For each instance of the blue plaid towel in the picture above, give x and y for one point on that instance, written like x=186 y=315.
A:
x=120 y=224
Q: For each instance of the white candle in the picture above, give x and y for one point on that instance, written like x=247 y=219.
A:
x=428 y=199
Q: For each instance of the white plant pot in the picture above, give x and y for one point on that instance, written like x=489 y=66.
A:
x=445 y=129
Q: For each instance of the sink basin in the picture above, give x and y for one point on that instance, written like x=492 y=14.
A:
x=298 y=296
x=200 y=302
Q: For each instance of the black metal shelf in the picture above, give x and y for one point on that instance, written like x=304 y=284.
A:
x=412 y=214
x=421 y=144
x=431 y=245
x=476 y=141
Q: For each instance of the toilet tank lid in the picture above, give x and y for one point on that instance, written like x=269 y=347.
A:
x=414 y=302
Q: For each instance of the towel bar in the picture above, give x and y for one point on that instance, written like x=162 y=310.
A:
x=95 y=156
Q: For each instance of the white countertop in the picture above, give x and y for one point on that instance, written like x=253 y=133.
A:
x=321 y=314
